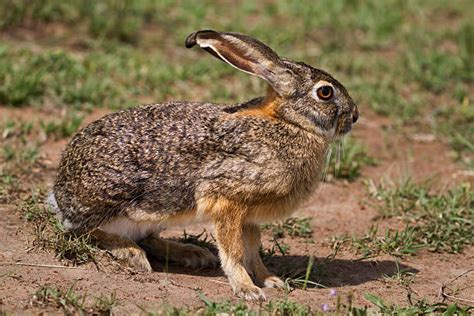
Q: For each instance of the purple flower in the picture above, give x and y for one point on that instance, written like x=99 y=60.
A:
x=332 y=292
x=325 y=307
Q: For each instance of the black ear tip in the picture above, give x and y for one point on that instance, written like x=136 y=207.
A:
x=191 y=40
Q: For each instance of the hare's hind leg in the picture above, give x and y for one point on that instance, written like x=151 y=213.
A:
x=184 y=254
x=255 y=265
x=123 y=249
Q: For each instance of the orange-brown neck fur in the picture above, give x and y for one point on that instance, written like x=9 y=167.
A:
x=267 y=108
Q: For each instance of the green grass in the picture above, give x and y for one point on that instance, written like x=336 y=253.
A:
x=457 y=124
x=393 y=242
x=293 y=226
x=17 y=147
x=73 y=303
x=8 y=186
x=21 y=156
x=226 y=307
x=337 y=305
x=421 y=307
x=441 y=222
x=404 y=277
x=49 y=234
x=98 y=79
x=64 y=128
x=21 y=151
x=13 y=128
x=436 y=222
x=278 y=246
x=302 y=278
x=29 y=153
x=58 y=77
x=117 y=19
x=361 y=32
x=203 y=239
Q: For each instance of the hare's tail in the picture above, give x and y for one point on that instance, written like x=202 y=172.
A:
x=52 y=203
x=53 y=206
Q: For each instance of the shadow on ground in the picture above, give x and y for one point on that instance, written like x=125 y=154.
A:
x=327 y=272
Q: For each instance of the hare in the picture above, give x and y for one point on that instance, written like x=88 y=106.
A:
x=131 y=174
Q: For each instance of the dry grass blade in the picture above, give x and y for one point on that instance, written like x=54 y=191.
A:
x=443 y=290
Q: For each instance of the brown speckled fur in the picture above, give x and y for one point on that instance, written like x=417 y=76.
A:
x=238 y=165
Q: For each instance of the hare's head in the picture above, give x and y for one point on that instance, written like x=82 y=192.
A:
x=304 y=95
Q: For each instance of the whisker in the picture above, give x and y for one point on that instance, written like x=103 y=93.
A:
x=338 y=158
x=327 y=162
x=343 y=142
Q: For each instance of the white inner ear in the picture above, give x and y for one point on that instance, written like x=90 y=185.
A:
x=206 y=44
x=319 y=84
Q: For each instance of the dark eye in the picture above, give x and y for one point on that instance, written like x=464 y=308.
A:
x=325 y=92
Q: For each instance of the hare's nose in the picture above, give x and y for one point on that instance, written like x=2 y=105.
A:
x=355 y=115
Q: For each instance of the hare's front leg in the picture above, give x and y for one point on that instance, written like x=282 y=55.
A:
x=255 y=265
x=228 y=220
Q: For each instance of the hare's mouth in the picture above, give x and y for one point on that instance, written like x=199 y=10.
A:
x=345 y=121
x=343 y=127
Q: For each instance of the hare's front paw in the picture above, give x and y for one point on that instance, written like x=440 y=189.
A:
x=249 y=292
x=275 y=282
x=194 y=257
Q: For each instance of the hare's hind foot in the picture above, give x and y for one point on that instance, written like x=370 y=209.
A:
x=249 y=292
x=255 y=265
x=274 y=282
x=188 y=255
x=123 y=249
x=261 y=275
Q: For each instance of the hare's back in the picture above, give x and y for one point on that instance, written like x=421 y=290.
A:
x=147 y=157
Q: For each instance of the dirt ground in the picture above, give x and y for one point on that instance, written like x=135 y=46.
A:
x=336 y=208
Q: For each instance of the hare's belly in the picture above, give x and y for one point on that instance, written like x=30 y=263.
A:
x=138 y=225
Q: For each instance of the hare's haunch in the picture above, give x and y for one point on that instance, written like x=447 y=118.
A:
x=131 y=174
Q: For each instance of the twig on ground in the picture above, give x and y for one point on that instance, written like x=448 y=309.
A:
x=38 y=265
x=220 y=282
x=444 y=295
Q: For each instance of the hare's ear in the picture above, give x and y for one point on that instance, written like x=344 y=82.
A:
x=247 y=54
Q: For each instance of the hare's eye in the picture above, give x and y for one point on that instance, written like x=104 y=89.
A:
x=325 y=92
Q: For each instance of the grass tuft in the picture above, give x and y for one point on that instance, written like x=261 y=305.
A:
x=73 y=303
x=421 y=307
x=215 y=308
x=346 y=159
x=294 y=227
x=64 y=128
x=50 y=234
x=457 y=124
x=440 y=222
x=203 y=239
x=394 y=242
x=436 y=222
x=9 y=185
